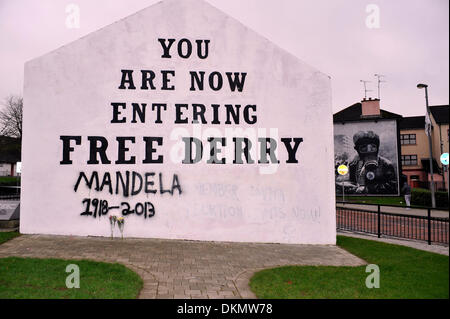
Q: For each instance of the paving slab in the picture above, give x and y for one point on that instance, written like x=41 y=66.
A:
x=182 y=269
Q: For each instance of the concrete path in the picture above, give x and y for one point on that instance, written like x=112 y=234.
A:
x=182 y=269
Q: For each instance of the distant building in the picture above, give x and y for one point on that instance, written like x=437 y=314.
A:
x=414 y=148
x=10 y=154
x=415 y=152
x=366 y=139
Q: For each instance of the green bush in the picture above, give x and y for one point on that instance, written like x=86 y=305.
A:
x=422 y=197
x=9 y=181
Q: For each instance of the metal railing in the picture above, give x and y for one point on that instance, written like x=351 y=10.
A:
x=9 y=192
x=10 y=197
x=397 y=225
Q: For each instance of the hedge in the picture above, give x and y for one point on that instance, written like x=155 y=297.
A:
x=9 y=181
x=422 y=197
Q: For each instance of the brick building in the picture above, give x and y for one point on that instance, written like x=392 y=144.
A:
x=415 y=150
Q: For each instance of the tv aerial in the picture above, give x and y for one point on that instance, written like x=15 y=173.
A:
x=379 y=80
x=365 y=88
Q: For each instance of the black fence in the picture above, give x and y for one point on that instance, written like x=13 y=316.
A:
x=397 y=225
x=9 y=192
x=9 y=197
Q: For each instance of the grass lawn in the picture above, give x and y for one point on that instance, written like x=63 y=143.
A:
x=404 y=273
x=24 y=278
x=382 y=200
x=5 y=236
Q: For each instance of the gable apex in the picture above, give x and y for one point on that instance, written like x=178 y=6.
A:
x=191 y=19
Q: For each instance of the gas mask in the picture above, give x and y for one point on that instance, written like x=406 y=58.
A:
x=368 y=153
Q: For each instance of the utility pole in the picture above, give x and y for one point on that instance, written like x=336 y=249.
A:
x=428 y=132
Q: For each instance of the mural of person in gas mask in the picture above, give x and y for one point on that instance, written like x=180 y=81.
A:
x=369 y=172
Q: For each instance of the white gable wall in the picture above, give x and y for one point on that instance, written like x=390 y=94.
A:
x=69 y=92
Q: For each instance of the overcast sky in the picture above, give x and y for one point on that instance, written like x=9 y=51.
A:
x=410 y=46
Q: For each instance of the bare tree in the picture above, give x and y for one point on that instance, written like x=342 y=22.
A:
x=11 y=117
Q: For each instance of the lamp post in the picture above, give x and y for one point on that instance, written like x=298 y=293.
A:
x=433 y=200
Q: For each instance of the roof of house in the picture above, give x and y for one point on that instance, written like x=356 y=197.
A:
x=440 y=113
x=412 y=122
x=10 y=149
x=354 y=112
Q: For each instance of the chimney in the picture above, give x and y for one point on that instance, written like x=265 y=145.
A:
x=370 y=107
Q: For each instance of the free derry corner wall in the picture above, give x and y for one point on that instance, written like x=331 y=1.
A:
x=184 y=122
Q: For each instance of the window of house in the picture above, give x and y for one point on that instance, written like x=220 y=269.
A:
x=408 y=160
x=407 y=139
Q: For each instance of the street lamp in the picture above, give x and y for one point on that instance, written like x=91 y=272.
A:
x=428 y=132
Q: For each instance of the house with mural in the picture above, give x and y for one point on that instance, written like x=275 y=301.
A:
x=366 y=139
